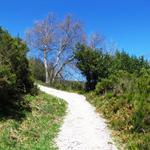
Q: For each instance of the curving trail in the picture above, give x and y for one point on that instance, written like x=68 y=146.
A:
x=83 y=128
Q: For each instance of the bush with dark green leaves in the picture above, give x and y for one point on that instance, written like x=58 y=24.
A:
x=14 y=64
x=37 y=68
x=121 y=60
x=15 y=75
x=93 y=63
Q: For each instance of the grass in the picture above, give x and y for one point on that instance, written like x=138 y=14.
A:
x=38 y=129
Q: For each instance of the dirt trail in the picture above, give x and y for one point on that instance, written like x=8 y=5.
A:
x=83 y=128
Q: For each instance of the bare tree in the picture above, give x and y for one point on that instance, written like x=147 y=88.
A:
x=70 y=33
x=96 y=40
x=57 y=41
x=42 y=37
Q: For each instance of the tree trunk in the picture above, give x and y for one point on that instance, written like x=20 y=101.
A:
x=46 y=67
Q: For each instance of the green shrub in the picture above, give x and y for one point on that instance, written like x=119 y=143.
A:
x=15 y=75
x=104 y=86
x=13 y=63
x=37 y=68
x=69 y=85
x=93 y=64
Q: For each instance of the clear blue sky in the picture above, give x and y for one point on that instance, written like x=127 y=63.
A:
x=126 y=22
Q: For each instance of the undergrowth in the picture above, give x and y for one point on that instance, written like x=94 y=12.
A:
x=124 y=100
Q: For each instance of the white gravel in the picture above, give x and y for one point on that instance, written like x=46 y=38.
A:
x=83 y=128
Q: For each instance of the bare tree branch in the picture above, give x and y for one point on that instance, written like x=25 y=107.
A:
x=42 y=37
x=96 y=40
x=56 y=40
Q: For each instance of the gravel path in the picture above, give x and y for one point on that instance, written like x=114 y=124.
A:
x=83 y=128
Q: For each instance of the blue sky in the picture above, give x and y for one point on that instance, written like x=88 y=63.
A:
x=127 y=22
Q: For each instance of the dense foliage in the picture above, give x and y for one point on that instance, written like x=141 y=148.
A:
x=15 y=76
x=121 y=93
x=96 y=64
x=93 y=64
x=37 y=68
x=131 y=64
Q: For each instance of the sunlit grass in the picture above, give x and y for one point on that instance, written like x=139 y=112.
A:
x=38 y=130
